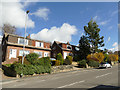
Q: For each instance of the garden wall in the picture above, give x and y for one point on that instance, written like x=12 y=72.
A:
x=61 y=68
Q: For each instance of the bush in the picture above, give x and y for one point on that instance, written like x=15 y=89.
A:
x=60 y=58
x=7 y=65
x=68 y=60
x=32 y=57
x=25 y=61
x=96 y=57
x=93 y=63
x=82 y=63
x=57 y=62
x=106 y=57
x=113 y=57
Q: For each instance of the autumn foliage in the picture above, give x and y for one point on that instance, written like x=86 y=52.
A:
x=96 y=57
x=113 y=57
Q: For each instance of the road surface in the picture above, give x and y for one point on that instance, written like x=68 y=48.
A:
x=84 y=78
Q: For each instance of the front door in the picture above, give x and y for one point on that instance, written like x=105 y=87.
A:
x=65 y=54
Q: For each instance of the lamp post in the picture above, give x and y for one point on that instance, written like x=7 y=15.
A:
x=25 y=35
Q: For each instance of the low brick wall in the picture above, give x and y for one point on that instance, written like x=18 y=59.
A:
x=61 y=68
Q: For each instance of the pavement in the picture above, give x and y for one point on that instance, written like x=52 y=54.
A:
x=83 y=78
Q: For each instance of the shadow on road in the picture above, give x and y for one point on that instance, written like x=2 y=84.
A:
x=105 y=87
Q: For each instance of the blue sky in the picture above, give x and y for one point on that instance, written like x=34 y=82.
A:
x=53 y=17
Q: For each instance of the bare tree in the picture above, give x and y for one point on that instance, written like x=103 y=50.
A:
x=7 y=28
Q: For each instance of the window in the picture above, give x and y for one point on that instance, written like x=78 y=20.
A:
x=76 y=48
x=21 y=41
x=39 y=44
x=40 y=53
x=12 y=53
x=21 y=52
x=46 y=54
x=69 y=47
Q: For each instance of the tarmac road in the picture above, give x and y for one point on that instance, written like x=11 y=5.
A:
x=84 y=78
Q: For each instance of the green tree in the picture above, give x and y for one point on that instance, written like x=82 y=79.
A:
x=84 y=48
x=92 y=33
x=60 y=58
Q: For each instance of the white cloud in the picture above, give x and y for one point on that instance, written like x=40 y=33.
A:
x=108 y=39
x=104 y=22
x=95 y=18
x=42 y=13
x=62 y=34
x=115 y=44
x=114 y=12
x=13 y=14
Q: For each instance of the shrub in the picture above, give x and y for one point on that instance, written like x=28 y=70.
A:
x=40 y=61
x=68 y=60
x=25 y=61
x=93 y=63
x=96 y=57
x=32 y=57
x=57 y=62
x=60 y=58
x=46 y=61
x=82 y=63
x=113 y=57
x=7 y=65
x=106 y=57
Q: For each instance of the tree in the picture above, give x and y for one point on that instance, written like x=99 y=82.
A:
x=96 y=57
x=7 y=28
x=84 y=48
x=92 y=33
x=60 y=58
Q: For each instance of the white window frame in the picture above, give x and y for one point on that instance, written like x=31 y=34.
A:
x=39 y=44
x=26 y=41
x=46 y=54
x=26 y=52
x=11 y=55
x=39 y=53
x=69 y=46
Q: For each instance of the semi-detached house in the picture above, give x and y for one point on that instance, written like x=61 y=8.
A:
x=12 y=47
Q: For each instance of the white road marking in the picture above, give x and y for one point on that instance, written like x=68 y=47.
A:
x=40 y=80
x=20 y=84
x=71 y=84
x=8 y=82
x=103 y=75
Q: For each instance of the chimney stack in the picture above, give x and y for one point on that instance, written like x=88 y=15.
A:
x=28 y=36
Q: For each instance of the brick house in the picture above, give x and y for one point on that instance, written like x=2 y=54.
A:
x=64 y=48
x=12 y=47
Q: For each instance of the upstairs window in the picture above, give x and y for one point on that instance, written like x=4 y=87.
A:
x=69 y=47
x=39 y=44
x=76 y=48
x=21 y=41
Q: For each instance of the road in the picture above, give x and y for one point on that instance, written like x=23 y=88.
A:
x=84 y=78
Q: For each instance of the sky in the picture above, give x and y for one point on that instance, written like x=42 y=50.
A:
x=63 y=21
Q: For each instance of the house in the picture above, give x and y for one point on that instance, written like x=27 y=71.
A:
x=12 y=47
x=65 y=49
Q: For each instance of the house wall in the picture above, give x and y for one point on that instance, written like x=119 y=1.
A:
x=7 y=61
x=67 y=53
x=14 y=39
